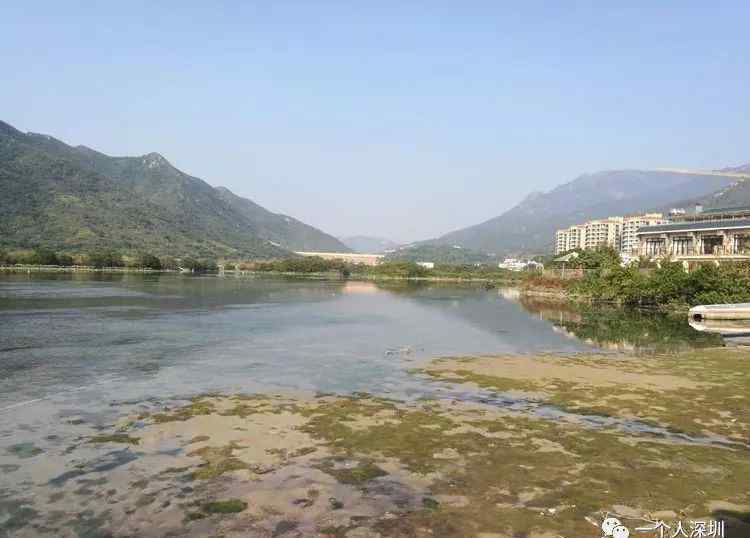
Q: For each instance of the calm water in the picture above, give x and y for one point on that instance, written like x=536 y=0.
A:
x=79 y=351
x=74 y=347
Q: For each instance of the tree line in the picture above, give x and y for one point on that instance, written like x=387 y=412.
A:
x=105 y=258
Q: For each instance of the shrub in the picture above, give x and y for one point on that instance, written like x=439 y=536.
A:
x=44 y=256
x=668 y=284
x=65 y=260
x=198 y=266
x=105 y=258
x=149 y=261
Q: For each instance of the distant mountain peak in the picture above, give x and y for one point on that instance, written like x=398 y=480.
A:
x=155 y=160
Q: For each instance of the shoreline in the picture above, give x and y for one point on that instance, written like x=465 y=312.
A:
x=79 y=269
x=553 y=294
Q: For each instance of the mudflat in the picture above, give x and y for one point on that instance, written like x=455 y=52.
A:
x=360 y=465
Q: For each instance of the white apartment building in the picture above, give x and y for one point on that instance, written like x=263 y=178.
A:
x=629 y=240
x=616 y=232
x=603 y=233
x=569 y=238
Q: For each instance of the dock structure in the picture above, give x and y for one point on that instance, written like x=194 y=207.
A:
x=736 y=311
x=348 y=257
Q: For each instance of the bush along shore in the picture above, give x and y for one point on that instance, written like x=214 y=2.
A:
x=46 y=260
x=645 y=284
x=599 y=276
x=315 y=266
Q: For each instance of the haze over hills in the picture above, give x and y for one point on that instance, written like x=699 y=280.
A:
x=369 y=245
x=741 y=169
x=78 y=199
x=529 y=227
x=735 y=194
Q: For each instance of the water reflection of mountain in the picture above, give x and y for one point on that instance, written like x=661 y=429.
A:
x=486 y=311
x=620 y=329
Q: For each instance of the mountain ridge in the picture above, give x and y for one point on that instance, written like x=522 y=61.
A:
x=529 y=226
x=78 y=198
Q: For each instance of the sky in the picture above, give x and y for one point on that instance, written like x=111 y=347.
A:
x=395 y=119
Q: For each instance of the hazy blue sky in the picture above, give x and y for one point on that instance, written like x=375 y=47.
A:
x=392 y=118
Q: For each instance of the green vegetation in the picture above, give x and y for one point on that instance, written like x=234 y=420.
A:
x=198 y=266
x=217 y=461
x=592 y=258
x=197 y=406
x=149 y=261
x=39 y=256
x=356 y=475
x=666 y=286
x=451 y=255
x=105 y=258
x=229 y=506
x=644 y=283
x=696 y=392
x=115 y=438
x=304 y=265
x=76 y=199
x=512 y=474
x=387 y=269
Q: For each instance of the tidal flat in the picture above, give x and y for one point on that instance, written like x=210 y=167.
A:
x=523 y=457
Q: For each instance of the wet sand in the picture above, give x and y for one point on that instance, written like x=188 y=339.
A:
x=364 y=466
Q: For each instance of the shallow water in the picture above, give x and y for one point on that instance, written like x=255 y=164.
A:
x=78 y=351
x=74 y=346
x=91 y=339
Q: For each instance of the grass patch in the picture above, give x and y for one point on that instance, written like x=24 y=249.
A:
x=217 y=461
x=229 y=506
x=121 y=438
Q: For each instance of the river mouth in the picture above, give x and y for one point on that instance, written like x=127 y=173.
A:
x=88 y=363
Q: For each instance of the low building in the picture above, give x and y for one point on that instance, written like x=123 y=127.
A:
x=513 y=264
x=713 y=235
x=348 y=257
x=427 y=265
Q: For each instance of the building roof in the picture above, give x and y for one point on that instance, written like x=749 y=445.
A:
x=738 y=209
x=696 y=226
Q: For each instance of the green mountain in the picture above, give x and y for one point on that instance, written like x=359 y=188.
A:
x=77 y=199
x=529 y=227
x=453 y=255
